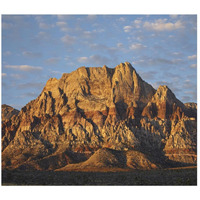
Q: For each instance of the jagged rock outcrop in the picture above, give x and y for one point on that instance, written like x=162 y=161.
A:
x=164 y=105
x=94 y=108
x=7 y=112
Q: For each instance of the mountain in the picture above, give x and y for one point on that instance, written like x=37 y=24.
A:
x=100 y=109
x=7 y=112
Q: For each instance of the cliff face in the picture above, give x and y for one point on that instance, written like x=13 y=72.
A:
x=93 y=108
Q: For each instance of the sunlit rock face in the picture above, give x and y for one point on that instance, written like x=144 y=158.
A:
x=98 y=107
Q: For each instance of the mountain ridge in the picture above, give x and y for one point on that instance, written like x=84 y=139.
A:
x=94 y=108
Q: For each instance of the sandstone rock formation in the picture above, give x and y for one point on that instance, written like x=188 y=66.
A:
x=7 y=112
x=94 y=108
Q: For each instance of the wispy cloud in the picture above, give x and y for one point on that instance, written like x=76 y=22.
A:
x=63 y=26
x=121 y=19
x=41 y=22
x=127 y=29
x=193 y=66
x=26 y=68
x=192 y=94
x=157 y=61
x=83 y=59
x=43 y=25
x=52 y=61
x=163 y=25
x=95 y=59
x=7 y=53
x=6 y=25
x=41 y=37
x=31 y=85
x=137 y=23
x=61 y=23
x=31 y=54
x=157 y=25
x=68 y=40
x=55 y=73
x=174 y=87
x=188 y=84
x=193 y=57
x=150 y=75
x=186 y=99
x=3 y=74
x=119 y=45
x=136 y=46
x=17 y=76
x=29 y=94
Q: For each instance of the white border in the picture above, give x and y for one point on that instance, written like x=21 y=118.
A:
x=101 y=7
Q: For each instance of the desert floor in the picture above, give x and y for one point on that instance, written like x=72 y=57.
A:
x=174 y=176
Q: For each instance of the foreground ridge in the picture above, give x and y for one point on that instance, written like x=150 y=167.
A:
x=111 y=110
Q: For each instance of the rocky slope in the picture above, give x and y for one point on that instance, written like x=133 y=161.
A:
x=94 y=108
x=7 y=112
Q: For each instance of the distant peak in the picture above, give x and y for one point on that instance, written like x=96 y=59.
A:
x=128 y=63
x=164 y=93
x=163 y=87
x=125 y=66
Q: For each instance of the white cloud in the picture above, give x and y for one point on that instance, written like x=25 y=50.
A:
x=41 y=22
x=156 y=25
x=82 y=59
x=69 y=40
x=176 y=53
x=163 y=25
x=193 y=66
x=61 y=23
x=137 y=23
x=63 y=26
x=127 y=29
x=26 y=68
x=88 y=34
x=119 y=45
x=193 y=57
x=137 y=46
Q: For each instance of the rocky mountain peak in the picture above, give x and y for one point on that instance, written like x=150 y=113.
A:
x=93 y=108
x=163 y=93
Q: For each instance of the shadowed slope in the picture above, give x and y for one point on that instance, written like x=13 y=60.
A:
x=110 y=159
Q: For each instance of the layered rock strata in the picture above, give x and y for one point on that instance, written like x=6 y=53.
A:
x=94 y=108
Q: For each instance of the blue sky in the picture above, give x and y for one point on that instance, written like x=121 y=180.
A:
x=162 y=49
